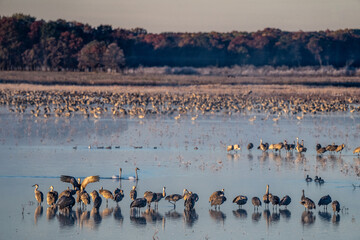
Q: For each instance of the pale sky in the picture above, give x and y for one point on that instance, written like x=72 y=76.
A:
x=196 y=15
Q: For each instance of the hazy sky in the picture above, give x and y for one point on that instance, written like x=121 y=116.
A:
x=196 y=15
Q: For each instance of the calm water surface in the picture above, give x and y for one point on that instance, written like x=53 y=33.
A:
x=178 y=154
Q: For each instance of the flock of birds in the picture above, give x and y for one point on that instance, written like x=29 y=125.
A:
x=65 y=200
x=96 y=104
x=299 y=147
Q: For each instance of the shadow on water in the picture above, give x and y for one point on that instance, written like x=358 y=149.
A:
x=308 y=218
x=152 y=216
x=240 y=213
x=190 y=217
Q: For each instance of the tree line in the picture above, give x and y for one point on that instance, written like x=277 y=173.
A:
x=30 y=44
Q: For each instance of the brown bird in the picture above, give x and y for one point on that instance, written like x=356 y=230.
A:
x=96 y=199
x=52 y=196
x=159 y=196
x=335 y=206
x=356 y=150
x=307 y=202
x=267 y=195
x=240 y=200
x=39 y=196
x=106 y=194
x=217 y=198
x=275 y=200
x=77 y=184
x=285 y=201
x=150 y=197
x=340 y=148
x=256 y=202
x=173 y=198
x=133 y=193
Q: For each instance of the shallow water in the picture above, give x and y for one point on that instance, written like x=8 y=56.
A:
x=178 y=154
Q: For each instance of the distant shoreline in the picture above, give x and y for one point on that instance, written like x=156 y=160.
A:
x=314 y=87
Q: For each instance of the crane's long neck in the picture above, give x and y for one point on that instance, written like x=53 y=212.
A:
x=164 y=193
x=136 y=174
x=120 y=171
x=36 y=188
x=267 y=189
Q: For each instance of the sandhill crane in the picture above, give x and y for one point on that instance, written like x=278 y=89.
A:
x=133 y=193
x=217 y=198
x=240 y=200
x=307 y=202
x=77 y=184
x=159 y=196
x=335 y=206
x=106 y=194
x=267 y=195
x=138 y=203
x=357 y=150
x=285 y=201
x=39 y=196
x=173 y=198
x=96 y=199
x=250 y=146
x=52 y=196
x=275 y=200
x=324 y=201
x=256 y=202
x=340 y=148
x=150 y=197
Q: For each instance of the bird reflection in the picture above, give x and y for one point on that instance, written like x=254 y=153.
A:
x=173 y=215
x=66 y=218
x=84 y=218
x=285 y=213
x=38 y=213
x=190 y=217
x=267 y=213
x=275 y=217
x=217 y=215
x=106 y=212
x=117 y=215
x=307 y=218
x=240 y=213
x=256 y=216
x=51 y=212
x=250 y=156
x=135 y=218
x=152 y=216
x=325 y=216
x=95 y=214
x=335 y=219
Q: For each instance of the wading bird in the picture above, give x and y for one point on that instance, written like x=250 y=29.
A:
x=52 y=196
x=38 y=194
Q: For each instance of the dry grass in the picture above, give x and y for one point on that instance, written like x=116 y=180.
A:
x=323 y=87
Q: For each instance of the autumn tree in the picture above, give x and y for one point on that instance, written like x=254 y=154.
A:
x=91 y=56
x=113 y=58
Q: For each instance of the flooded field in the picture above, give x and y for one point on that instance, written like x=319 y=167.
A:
x=179 y=154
